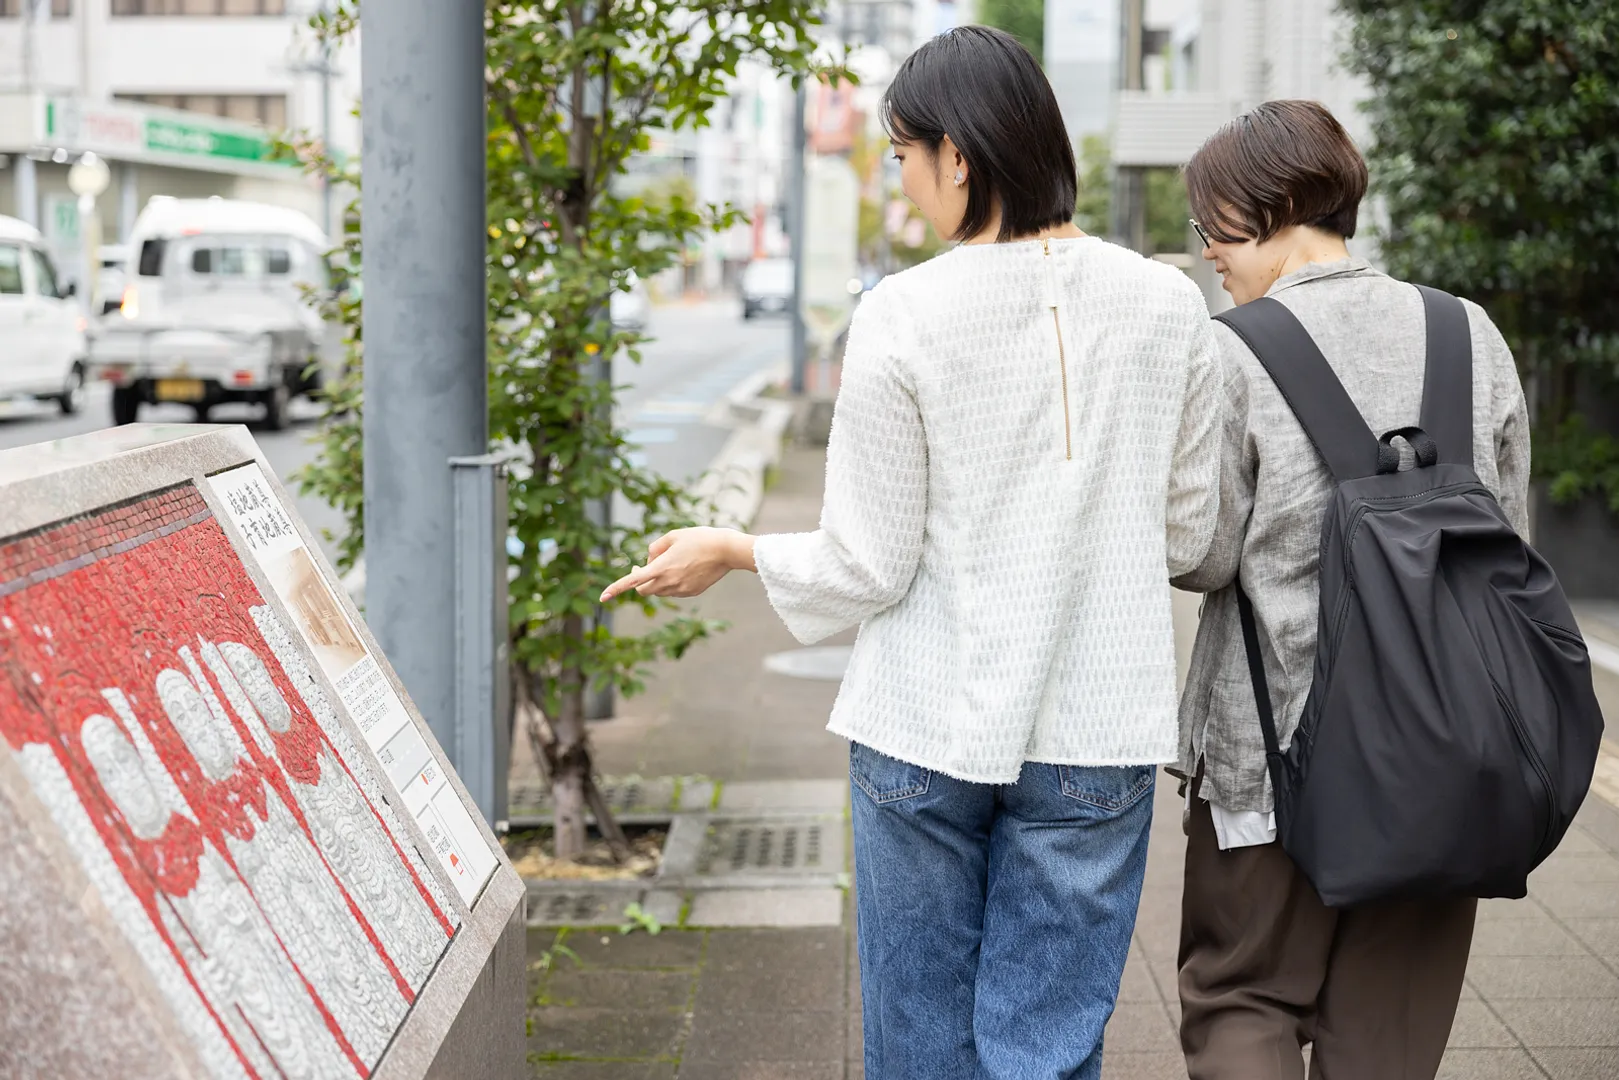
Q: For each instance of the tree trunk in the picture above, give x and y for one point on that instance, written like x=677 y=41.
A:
x=606 y=823
x=570 y=756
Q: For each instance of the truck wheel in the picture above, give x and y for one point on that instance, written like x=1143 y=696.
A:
x=126 y=405
x=275 y=407
x=71 y=399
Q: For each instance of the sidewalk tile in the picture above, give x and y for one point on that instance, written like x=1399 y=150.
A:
x=789 y=989
x=1579 y=840
x=1569 y=1022
x=1139 y=1066
x=766 y=1070
x=768 y=952
x=650 y=991
x=664 y=905
x=1518 y=937
x=602 y=1070
x=670 y=950
x=827 y=796
x=1495 y=910
x=1602 y=935
x=769 y=971
x=697 y=795
x=1593 y=866
x=1138 y=984
x=1488 y=1065
x=1498 y=978
x=767 y=907
x=1589 y=1063
x=800 y=1036
x=606 y=1033
x=1476 y=1027
x=1138 y=1028
x=1578 y=899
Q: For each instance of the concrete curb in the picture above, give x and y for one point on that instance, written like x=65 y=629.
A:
x=730 y=493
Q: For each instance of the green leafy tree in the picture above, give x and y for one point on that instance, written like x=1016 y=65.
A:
x=1094 y=210
x=1494 y=152
x=1167 y=209
x=1023 y=19
x=575 y=90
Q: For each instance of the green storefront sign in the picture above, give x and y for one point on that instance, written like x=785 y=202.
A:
x=168 y=135
x=178 y=137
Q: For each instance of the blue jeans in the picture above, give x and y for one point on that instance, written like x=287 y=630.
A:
x=994 y=920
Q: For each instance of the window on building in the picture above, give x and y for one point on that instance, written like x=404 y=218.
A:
x=12 y=9
x=192 y=7
x=270 y=110
x=10 y=270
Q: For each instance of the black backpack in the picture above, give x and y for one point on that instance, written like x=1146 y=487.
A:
x=1451 y=730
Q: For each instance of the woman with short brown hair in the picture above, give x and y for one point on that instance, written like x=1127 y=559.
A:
x=1265 y=966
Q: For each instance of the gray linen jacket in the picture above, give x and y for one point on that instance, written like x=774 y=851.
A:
x=1273 y=497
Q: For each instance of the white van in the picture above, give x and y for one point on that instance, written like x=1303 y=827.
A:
x=41 y=327
x=214 y=310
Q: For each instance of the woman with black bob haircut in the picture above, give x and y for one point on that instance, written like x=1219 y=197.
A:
x=1024 y=448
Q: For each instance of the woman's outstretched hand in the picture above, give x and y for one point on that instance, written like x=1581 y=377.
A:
x=686 y=562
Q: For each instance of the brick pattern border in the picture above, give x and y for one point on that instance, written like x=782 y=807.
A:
x=79 y=541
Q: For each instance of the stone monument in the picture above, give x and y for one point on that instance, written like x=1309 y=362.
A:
x=229 y=845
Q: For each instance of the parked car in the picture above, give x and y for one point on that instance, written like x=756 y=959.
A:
x=767 y=285
x=215 y=310
x=42 y=342
x=111 y=278
x=631 y=310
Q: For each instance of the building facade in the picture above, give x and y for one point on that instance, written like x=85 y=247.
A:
x=180 y=97
x=1217 y=58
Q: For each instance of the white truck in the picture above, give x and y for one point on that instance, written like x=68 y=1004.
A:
x=214 y=310
x=41 y=324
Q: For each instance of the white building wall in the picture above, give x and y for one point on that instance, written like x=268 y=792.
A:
x=185 y=55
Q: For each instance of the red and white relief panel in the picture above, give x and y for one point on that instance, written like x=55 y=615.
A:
x=240 y=840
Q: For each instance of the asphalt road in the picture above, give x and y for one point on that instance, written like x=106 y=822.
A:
x=700 y=353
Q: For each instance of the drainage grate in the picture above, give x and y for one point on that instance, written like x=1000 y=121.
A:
x=626 y=795
x=547 y=908
x=741 y=847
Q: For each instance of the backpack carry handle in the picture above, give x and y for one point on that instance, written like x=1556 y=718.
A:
x=1421 y=443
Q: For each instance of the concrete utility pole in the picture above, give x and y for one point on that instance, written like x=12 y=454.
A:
x=26 y=193
x=426 y=376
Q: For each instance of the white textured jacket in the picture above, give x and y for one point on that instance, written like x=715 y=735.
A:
x=1025 y=448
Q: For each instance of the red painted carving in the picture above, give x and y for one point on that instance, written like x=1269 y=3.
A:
x=72 y=635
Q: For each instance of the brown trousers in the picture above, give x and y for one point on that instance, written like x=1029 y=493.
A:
x=1265 y=967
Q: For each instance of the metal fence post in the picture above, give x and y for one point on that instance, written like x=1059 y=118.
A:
x=482 y=745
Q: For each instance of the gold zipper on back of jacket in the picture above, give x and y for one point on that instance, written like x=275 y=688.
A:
x=1062 y=358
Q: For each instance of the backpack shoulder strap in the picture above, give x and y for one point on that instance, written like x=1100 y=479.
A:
x=1447 y=382
x=1313 y=392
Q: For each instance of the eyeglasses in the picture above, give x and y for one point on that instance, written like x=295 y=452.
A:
x=1201 y=235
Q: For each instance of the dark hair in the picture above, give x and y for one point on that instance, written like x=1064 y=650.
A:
x=1282 y=164
x=982 y=88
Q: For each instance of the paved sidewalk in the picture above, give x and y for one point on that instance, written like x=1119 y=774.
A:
x=1542 y=997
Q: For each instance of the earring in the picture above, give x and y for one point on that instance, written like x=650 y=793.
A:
x=958 y=177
